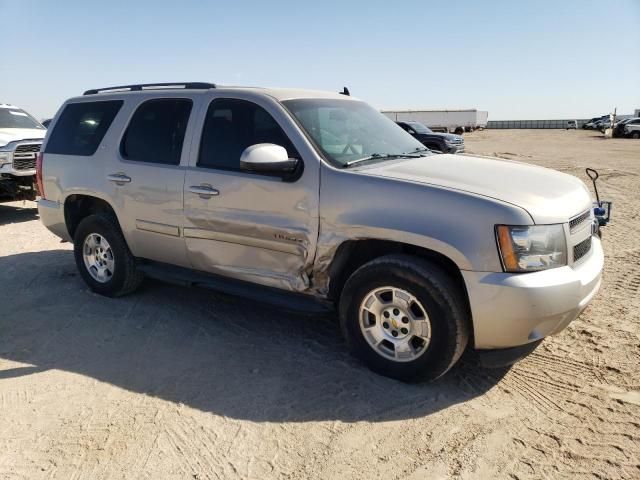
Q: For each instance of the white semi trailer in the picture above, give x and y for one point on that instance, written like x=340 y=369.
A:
x=454 y=121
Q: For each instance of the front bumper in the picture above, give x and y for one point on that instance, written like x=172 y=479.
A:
x=8 y=169
x=503 y=357
x=456 y=148
x=510 y=310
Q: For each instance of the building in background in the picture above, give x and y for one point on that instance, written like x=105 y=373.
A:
x=454 y=121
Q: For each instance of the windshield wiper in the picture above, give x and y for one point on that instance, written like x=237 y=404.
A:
x=364 y=159
x=421 y=150
x=376 y=156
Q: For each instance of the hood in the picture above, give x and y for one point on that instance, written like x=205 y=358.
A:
x=8 y=135
x=548 y=195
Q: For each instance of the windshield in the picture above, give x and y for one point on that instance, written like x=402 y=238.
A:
x=16 y=118
x=418 y=127
x=348 y=130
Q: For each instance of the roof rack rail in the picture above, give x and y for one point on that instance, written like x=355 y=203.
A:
x=153 y=86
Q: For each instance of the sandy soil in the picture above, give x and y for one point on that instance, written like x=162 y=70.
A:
x=183 y=383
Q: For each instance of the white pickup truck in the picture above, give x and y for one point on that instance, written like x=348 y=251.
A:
x=20 y=140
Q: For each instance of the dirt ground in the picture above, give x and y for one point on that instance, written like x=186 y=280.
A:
x=183 y=383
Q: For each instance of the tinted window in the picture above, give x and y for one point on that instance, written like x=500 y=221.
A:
x=419 y=128
x=156 y=131
x=81 y=127
x=233 y=125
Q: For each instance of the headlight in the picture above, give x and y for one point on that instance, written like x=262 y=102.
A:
x=531 y=248
x=4 y=158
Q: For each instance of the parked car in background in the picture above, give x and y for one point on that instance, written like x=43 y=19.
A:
x=305 y=198
x=618 y=130
x=606 y=124
x=632 y=130
x=20 y=140
x=599 y=123
x=454 y=121
x=572 y=124
x=593 y=123
x=439 y=142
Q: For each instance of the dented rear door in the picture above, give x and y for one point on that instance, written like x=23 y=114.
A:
x=244 y=225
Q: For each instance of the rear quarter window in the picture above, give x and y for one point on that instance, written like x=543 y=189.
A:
x=81 y=127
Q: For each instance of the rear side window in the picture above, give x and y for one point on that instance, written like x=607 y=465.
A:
x=81 y=127
x=156 y=131
x=231 y=126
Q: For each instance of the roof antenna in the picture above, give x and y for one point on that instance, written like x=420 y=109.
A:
x=345 y=91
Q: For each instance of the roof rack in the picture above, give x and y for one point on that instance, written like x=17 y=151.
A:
x=152 y=86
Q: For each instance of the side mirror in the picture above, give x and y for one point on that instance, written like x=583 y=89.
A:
x=267 y=158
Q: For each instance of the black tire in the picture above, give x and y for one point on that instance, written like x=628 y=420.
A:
x=459 y=131
x=126 y=278
x=430 y=285
x=635 y=135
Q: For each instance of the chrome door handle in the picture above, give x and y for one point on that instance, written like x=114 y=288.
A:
x=204 y=191
x=119 y=178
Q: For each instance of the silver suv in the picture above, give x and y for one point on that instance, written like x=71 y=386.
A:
x=315 y=200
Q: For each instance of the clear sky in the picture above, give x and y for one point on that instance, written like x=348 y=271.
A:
x=516 y=59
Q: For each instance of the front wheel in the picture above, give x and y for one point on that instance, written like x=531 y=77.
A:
x=635 y=135
x=103 y=257
x=404 y=317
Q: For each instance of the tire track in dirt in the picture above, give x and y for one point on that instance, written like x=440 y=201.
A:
x=581 y=434
x=625 y=282
x=545 y=381
x=571 y=422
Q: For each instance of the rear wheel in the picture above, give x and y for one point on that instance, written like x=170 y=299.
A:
x=404 y=317
x=459 y=131
x=103 y=257
x=635 y=135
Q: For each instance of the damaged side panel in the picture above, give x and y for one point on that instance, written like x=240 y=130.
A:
x=450 y=222
x=257 y=228
x=266 y=248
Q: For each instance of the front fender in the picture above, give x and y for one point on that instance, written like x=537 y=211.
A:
x=456 y=224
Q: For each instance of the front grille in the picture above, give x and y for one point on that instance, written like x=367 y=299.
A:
x=579 y=220
x=24 y=164
x=581 y=249
x=24 y=156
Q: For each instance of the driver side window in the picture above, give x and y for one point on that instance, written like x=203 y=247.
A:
x=232 y=125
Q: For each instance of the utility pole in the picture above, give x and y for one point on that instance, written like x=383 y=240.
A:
x=612 y=123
